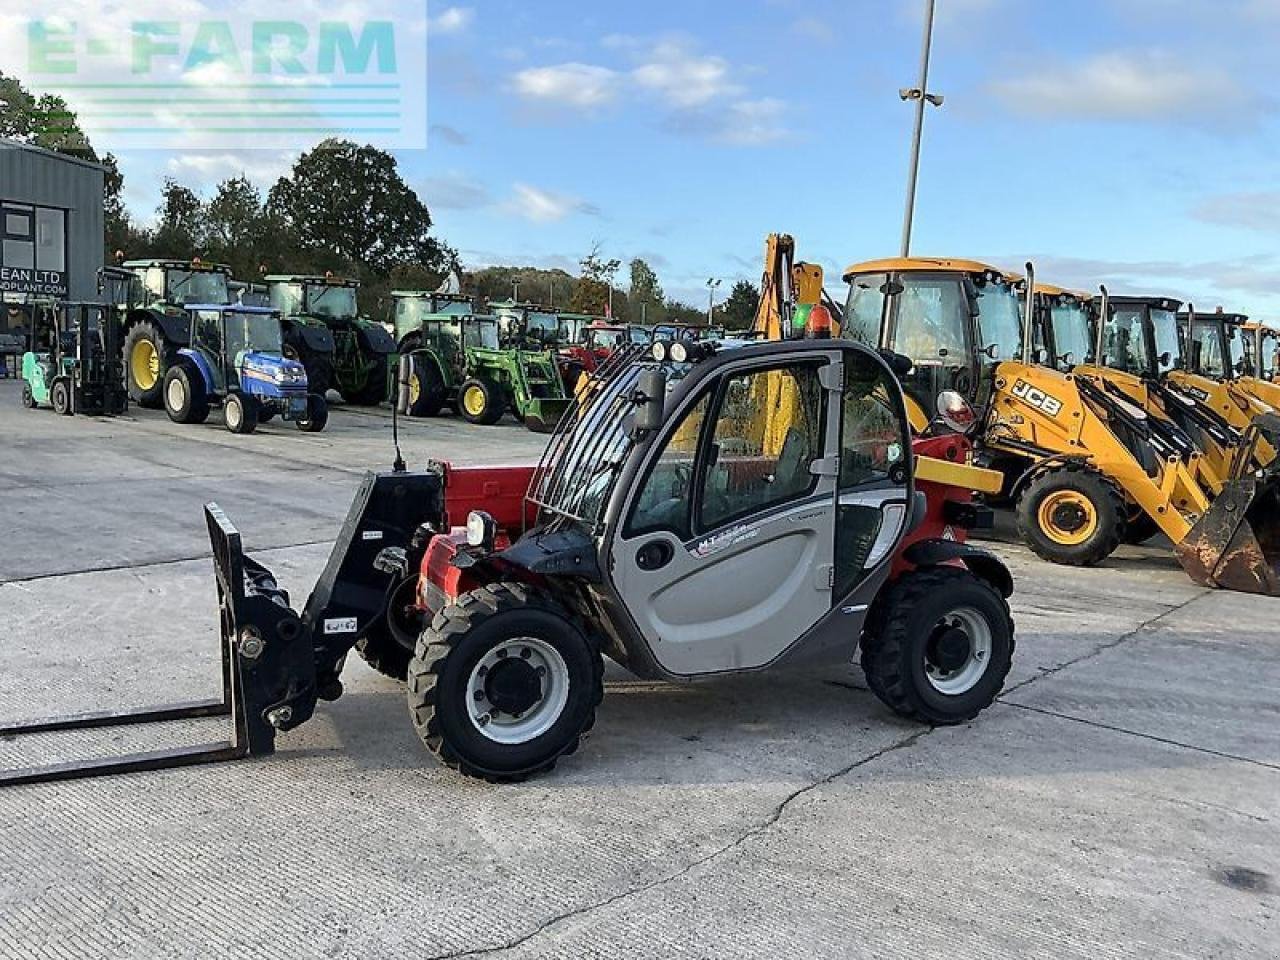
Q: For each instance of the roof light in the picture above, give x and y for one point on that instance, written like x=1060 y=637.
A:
x=659 y=350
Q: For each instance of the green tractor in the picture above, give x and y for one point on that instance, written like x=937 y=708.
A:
x=72 y=362
x=452 y=355
x=358 y=360
x=152 y=304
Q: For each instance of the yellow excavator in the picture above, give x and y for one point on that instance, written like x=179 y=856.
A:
x=1078 y=458
x=1224 y=360
x=1261 y=375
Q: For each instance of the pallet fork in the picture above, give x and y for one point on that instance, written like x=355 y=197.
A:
x=276 y=663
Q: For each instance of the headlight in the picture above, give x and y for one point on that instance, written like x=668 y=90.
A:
x=659 y=350
x=679 y=352
x=482 y=529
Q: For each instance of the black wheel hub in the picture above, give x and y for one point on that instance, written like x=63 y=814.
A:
x=1069 y=517
x=512 y=686
x=949 y=648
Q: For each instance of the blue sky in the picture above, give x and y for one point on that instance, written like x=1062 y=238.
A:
x=1128 y=141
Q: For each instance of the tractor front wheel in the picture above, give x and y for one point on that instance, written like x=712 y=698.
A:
x=317 y=414
x=147 y=358
x=1072 y=515
x=60 y=397
x=480 y=401
x=241 y=412
x=940 y=646
x=503 y=683
x=184 y=397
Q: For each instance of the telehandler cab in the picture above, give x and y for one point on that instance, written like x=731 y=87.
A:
x=682 y=521
x=1078 y=458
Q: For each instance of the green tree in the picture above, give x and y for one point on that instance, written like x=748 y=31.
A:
x=646 y=290
x=740 y=308
x=44 y=121
x=179 y=228
x=346 y=206
x=120 y=233
x=677 y=311
x=238 y=230
x=591 y=295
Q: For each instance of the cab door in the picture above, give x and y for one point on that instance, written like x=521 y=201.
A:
x=725 y=556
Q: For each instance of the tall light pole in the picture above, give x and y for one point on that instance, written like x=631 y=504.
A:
x=921 y=95
x=551 y=284
x=515 y=291
x=611 y=273
x=712 y=283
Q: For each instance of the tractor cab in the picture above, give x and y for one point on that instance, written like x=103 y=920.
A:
x=1217 y=343
x=529 y=326
x=1063 y=331
x=236 y=359
x=604 y=338
x=955 y=320
x=411 y=308
x=1140 y=336
x=177 y=283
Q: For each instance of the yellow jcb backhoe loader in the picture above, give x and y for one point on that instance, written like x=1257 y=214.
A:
x=1075 y=455
x=1218 y=347
x=1261 y=376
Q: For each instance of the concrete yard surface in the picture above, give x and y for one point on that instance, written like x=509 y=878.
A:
x=1121 y=799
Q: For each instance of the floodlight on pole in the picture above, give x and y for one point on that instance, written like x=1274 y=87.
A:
x=712 y=283
x=921 y=95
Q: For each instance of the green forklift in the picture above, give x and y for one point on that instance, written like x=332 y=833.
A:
x=73 y=361
x=358 y=363
x=456 y=358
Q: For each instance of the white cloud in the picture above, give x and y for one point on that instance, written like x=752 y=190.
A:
x=1130 y=85
x=451 y=20
x=1258 y=211
x=544 y=206
x=753 y=122
x=682 y=78
x=454 y=191
x=201 y=169
x=579 y=85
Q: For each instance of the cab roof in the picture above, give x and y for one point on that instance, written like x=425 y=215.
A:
x=924 y=265
x=178 y=265
x=428 y=294
x=1160 y=303
x=310 y=278
x=1224 y=315
x=1051 y=290
x=231 y=308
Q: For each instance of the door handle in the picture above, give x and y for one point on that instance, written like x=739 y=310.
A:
x=654 y=555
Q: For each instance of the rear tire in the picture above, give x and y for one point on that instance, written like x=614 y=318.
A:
x=317 y=414
x=28 y=398
x=374 y=390
x=184 y=397
x=426 y=388
x=1072 y=515
x=147 y=359
x=1140 y=528
x=60 y=397
x=319 y=366
x=241 y=412
x=480 y=401
x=504 y=683
x=940 y=647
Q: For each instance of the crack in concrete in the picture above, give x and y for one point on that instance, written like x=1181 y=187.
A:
x=1140 y=735
x=758 y=829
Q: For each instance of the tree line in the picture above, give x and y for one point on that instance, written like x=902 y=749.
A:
x=344 y=208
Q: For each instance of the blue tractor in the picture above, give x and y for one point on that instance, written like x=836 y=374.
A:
x=236 y=359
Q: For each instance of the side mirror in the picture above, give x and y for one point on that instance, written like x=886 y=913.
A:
x=891 y=288
x=900 y=365
x=1164 y=358
x=650 y=397
x=1068 y=359
x=1041 y=356
x=991 y=351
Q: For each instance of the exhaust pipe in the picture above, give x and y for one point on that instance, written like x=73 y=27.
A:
x=1028 y=314
x=1100 y=335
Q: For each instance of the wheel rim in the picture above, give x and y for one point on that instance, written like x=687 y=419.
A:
x=473 y=401
x=415 y=388
x=176 y=395
x=144 y=364
x=1068 y=517
x=518 y=690
x=233 y=413
x=958 y=651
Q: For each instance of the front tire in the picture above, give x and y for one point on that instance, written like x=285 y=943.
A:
x=480 y=401
x=185 y=400
x=60 y=397
x=940 y=647
x=241 y=412
x=28 y=398
x=504 y=683
x=1072 y=515
x=317 y=414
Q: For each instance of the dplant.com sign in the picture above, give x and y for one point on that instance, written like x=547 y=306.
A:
x=230 y=74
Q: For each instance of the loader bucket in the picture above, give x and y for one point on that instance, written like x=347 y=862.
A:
x=1236 y=544
x=543 y=413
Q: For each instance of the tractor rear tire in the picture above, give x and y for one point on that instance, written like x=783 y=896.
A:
x=317 y=414
x=1072 y=515
x=147 y=358
x=319 y=367
x=241 y=412
x=480 y=400
x=373 y=392
x=503 y=683
x=184 y=397
x=28 y=398
x=60 y=397
x=426 y=388
x=388 y=645
x=940 y=646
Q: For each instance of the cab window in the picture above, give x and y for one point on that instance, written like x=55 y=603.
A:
x=664 y=501
x=1124 y=346
x=1270 y=354
x=864 y=309
x=999 y=320
x=1212 y=363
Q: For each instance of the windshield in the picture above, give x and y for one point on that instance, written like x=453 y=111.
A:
x=544 y=327
x=864 y=309
x=330 y=300
x=1235 y=348
x=196 y=286
x=639 y=335
x=257 y=332
x=410 y=311
x=1124 y=345
x=1270 y=354
x=1164 y=323
x=1072 y=339
x=604 y=339
x=1208 y=335
x=1000 y=320
x=481 y=333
